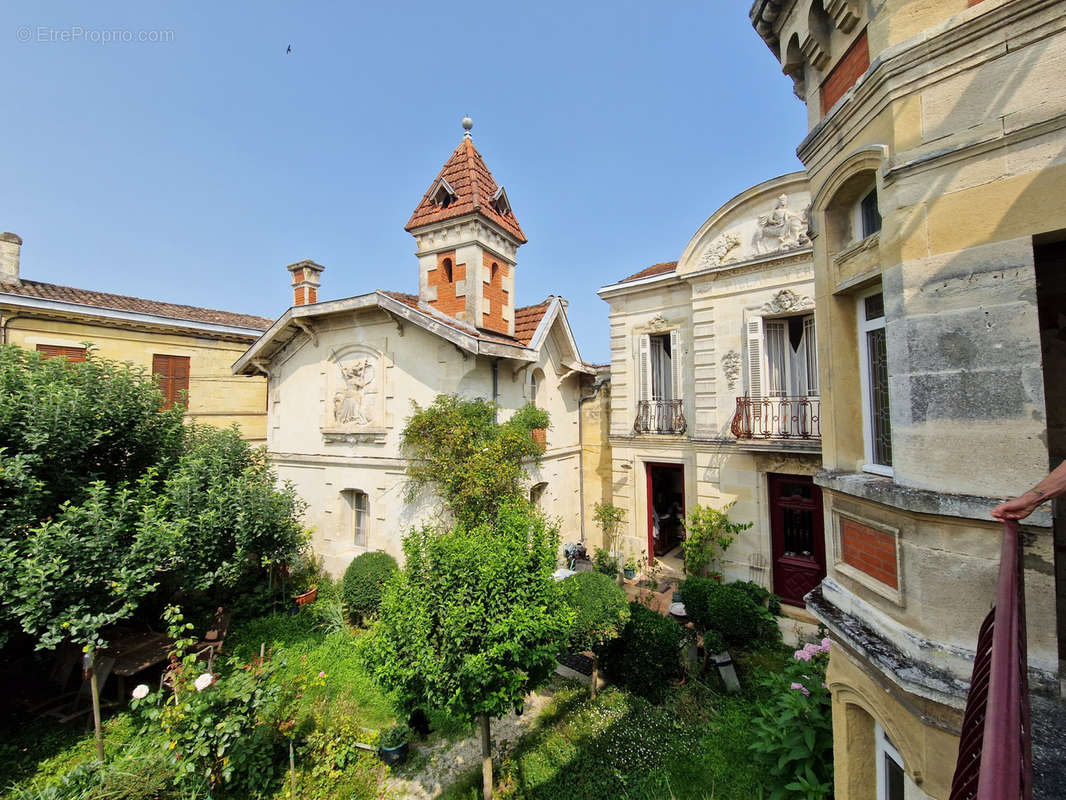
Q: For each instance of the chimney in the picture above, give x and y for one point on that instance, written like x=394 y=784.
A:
x=10 y=248
x=305 y=279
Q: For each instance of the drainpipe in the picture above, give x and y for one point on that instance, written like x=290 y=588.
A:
x=597 y=384
x=495 y=387
x=3 y=327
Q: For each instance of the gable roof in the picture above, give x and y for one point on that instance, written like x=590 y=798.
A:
x=475 y=189
x=526 y=319
x=138 y=305
x=655 y=269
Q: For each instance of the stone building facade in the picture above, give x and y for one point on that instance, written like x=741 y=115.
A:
x=936 y=160
x=190 y=350
x=345 y=373
x=715 y=395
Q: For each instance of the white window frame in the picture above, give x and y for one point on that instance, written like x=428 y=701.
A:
x=351 y=497
x=883 y=747
x=758 y=355
x=864 y=327
x=644 y=367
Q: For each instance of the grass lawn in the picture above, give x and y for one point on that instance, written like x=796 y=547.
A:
x=694 y=745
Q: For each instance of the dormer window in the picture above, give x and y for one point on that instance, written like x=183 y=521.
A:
x=500 y=202
x=443 y=194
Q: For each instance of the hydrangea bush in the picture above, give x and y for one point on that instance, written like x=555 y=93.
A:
x=793 y=736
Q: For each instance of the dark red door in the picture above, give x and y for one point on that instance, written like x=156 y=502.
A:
x=797 y=534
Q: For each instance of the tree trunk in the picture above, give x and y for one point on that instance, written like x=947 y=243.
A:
x=94 y=690
x=595 y=674
x=486 y=757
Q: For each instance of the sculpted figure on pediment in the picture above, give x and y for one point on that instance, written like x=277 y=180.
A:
x=721 y=250
x=781 y=229
x=350 y=402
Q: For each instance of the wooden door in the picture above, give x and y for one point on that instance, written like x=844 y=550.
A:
x=797 y=535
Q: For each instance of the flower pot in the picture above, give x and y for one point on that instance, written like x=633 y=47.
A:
x=629 y=573
x=393 y=755
x=307 y=597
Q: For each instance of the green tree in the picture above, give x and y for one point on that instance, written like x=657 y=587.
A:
x=601 y=611
x=708 y=534
x=473 y=621
x=474 y=464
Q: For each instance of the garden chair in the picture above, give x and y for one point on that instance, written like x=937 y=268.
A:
x=214 y=638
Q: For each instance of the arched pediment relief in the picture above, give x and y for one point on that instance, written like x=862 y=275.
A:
x=786 y=301
x=355 y=396
x=763 y=220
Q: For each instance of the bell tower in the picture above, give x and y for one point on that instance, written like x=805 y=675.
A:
x=466 y=238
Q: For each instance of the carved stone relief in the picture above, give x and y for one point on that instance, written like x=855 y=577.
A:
x=781 y=229
x=354 y=380
x=721 y=250
x=787 y=300
x=731 y=367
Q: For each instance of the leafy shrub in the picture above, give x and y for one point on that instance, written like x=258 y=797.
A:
x=609 y=519
x=708 y=534
x=395 y=736
x=761 y=596
x=727 y=610
x=601 y=610
x=364 y=582
x=606 y=563
x=647 y=656
x=793 y=736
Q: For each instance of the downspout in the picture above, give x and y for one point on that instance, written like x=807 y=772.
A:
x=495 y=388
x=597 y=383
x=3 y=327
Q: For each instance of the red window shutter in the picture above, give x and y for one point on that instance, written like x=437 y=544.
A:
x=848 y=70
x=57 y=351
x=172 y=372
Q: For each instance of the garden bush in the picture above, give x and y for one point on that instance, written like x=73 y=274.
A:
x=647 y=656
x=364 y=582
x=727 y=610
x=793 y=738
x=601 y=612
x=761 y=596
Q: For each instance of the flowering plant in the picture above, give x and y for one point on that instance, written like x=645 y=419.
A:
x=794 y=733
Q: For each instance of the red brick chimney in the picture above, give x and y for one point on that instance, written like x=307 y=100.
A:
x=305 y=280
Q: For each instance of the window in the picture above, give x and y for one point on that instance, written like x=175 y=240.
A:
x=890 y=775
x=536 y=378
x=536 y=493
x=58 y=351
x=447 y=266
x=172 y=372
x=782 y=357
x=791 y=357
x=873 y=370
x=660 y=367
x=868 y=218
x=360 y=506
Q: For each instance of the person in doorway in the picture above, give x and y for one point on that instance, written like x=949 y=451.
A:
x=1023 y=505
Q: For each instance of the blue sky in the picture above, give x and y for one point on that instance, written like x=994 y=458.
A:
x=193 y=169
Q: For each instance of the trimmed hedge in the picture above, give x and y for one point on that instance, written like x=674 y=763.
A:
x=364 y=582
x=601 y=609
x=727 y=610
x=647 y=656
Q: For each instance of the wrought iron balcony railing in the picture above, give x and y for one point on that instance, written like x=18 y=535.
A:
x=995 y=749
x=660 y=416
x=777 y=418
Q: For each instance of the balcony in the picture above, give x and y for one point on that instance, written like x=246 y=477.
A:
x=778 y=418
x=659 y=416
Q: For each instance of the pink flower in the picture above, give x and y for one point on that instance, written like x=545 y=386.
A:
x=800 y=687
x=825 y=644
x=321 y=674
x=825 y=685
x=802 y=655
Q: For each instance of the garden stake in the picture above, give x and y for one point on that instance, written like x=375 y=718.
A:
x=94 y=690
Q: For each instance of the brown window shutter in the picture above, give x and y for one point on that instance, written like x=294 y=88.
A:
x=172 y=372
x=57 y=351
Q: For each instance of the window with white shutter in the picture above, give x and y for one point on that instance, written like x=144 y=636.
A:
x=644 y=368
x=754 y=362
x=675 y=364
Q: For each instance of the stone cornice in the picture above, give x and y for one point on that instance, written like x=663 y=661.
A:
x=966 y=40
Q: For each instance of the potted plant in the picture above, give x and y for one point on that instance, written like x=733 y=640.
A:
x=392 y=748
x=307 y=597
x=630 y=568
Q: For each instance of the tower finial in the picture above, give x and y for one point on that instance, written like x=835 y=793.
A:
x=467 y=125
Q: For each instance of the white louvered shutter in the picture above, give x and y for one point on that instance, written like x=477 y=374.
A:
x=754 y=360
x=644 y=368
x=675 y=364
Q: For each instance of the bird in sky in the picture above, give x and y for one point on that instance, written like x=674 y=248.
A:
x=288 y=49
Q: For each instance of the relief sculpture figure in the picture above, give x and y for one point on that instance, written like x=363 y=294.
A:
x=781 y=229
x=349 y=404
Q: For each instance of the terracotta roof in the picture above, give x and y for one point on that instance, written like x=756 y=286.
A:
x=655 y=269
x=526 y=320
x=474 y=187
x=118 y=302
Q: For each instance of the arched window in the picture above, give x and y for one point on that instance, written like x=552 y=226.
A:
x=536 y=378
x=359 y=505
x=536 y=493
x=446 y=265
x=494 y=269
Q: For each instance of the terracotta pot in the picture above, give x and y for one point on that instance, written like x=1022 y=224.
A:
x=307 y=597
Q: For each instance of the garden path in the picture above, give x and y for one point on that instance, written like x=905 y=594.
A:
x=444 y=762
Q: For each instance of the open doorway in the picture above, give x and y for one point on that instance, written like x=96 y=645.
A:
x=666 y=508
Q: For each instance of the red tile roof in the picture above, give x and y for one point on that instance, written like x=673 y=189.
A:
x=526 y=320
x=118 y=302
x=655 y=269
x=474 y=187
